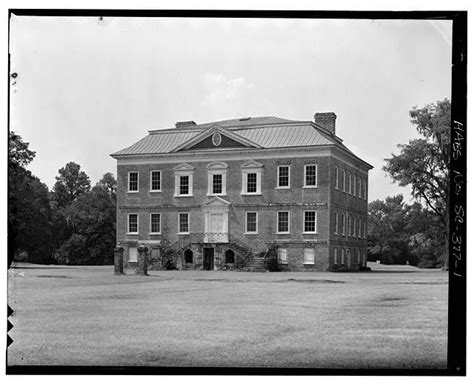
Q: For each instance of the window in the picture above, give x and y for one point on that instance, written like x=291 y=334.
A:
x=251 y=182
x=308 y=256
x=283 y=176
x=343 y=180
x=183 y=185
x=343 y=224
x=252 y=178
x=217 y=179
x=358 y=257
x=310 y=176
x=251 y=222
x=217 y=184
x=282 y=255
x=155 y=181
x=336 y=175
x=229 y=256
x=365 y=229
x=132 y=254
x=359 y=225
x=359 y=183
x=283 y=222
x=133 y=181
x=133 y=223
x=188 y=256
x=309 y=221
x=354 y=185
x=183 y=220
x=155 y=223
x=336 y=223
x=343 y=257
x=364 y=190
x=349 y=222
x=183 y=180
x=349 y=187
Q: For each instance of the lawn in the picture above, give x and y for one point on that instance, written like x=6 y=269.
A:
x=392 y=317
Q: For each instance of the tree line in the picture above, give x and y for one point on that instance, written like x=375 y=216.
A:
x=71 y=224
x=75 y=224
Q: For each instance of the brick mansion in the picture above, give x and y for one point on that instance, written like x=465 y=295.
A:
x=246 y=193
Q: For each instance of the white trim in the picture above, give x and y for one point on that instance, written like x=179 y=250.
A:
x=305 y=262
x=278 y=177
x=343 y=180
x=256 y=222
x=224 y=154
x=315 y=222
x=128 y=223
x=151 y=181
x=316 y=175
x=245 y=173
x=128 y=182
x=216 y=168
x=336 y=225
x=343 y=225
x=179 y=223
x=278 y=222
x=280 y=251
x=177 y=183
x=151 y=224
x=336 y=170
x=349 y=191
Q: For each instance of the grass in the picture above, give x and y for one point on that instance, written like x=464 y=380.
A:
x=392 y=317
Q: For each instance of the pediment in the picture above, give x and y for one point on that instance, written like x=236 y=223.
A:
x=216 y=137
x=252 y=164
x=216 y=202
x=217 y=165
x=184 y=167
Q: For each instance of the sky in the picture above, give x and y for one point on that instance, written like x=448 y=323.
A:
x=86 y=87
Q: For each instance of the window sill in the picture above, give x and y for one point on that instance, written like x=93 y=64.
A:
x=283 y=187
x=215 y=194
x=133 y=191
x=155 y=191
x=310 y=233
x=251 y=194
x=128 y=233
x=251 y=233
x=154 y=233
x=310 y=187
x=283 y=233
x=184 y=233
x=183 y=195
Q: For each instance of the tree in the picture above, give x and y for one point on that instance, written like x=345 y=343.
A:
x=91 y=218
x=423 y=163
x=399 y=232
x=29 y=212
x=70 y=184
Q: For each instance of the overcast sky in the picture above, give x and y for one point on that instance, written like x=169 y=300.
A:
x=88 y=87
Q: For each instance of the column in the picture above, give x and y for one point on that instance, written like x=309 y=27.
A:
x=142 y=260
x=118 y=260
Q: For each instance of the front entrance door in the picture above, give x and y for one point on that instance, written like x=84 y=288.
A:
x=208 y=262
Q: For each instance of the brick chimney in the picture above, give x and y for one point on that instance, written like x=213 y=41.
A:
x=187 y=124
x=327 y=120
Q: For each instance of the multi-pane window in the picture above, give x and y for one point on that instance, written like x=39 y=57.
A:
x=359 y=225
x=155 y=223
x=336 y=175
x=354 y=185
x=155 y=180
x=283 y=255
x=349 y=224
x=184 y=185
x=343 y=180
x=343 y=224
x=349 y=185
x=133 y=181
x=251 y=222
x=310 y=221
x=133 y=223
x=183 y=220
x=283 y=223
x=364 y=189
x=336 y=223
x=359 y=183
x=217 y=183
x=310 y=177
x=308 y=257
x=283 y=176
x=252 y=182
